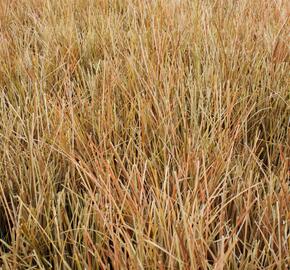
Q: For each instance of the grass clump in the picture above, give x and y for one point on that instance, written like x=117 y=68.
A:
x=144 y=134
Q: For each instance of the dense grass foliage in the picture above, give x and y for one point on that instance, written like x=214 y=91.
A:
x=144 y=134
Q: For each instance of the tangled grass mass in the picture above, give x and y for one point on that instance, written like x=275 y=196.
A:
x=144 y=134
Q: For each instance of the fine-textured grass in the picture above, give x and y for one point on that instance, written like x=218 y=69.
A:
x=144 y=134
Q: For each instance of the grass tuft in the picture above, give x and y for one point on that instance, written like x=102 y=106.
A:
x=144 y=134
